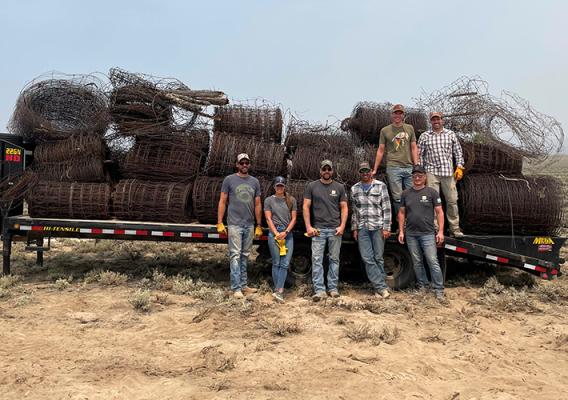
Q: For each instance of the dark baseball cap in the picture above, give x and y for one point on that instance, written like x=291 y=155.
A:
x=364 y=166
x=418 y=169
x=279 y=180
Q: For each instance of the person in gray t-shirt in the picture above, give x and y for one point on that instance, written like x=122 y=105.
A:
x=325 y=215
x=243 y=194
x=280 y=211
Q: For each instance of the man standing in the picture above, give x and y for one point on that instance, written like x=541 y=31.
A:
x=398 y=141
x=325 y=215
x=437 y=149
x=370 y=224
x=243 y=193
x=417 y=209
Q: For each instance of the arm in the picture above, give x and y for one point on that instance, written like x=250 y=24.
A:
x=379 y=158
x=386 y=207
x=306 y=212
x=258 y=210
x=271 y=226
x=401 y=218
x=354 y=218
x=414 y=151
x=440 y=218
x=292 y=223
x=344 y=212
x=457 y=150
x=221 y=207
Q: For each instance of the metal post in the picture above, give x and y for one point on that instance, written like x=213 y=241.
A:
x=6 y=252
x=39 y=252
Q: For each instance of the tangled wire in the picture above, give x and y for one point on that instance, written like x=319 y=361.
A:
x=472 y=111
x=491 y=158
x=75 y=147
x=305 y=134
x=368 y=118
x=54 y=109
x=173 y=158
x=495 y=204
x=69 y=200
x=266 y=158
x=147 y=104
x=262 y=122
x=152 y=201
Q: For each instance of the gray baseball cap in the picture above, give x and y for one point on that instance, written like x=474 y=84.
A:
x=326 y=163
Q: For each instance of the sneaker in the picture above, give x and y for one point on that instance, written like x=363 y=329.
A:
x=319 y=296
x=440 y=296
x=249 y=290
x=334 y=294
x=457 y=234
x=237 y=294
x=278 y=297
x=383 y=294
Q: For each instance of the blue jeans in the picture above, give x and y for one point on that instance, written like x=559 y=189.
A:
x=424 y=247
x=280 y=263
x=240 y=243
x=399 y=178
x=327 y=235
x=371 y=247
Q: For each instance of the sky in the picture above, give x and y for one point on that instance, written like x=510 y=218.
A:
x=314 y=58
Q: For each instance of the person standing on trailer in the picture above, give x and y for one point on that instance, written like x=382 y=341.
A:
x=418 y=206
x=242 y=191
x=371 y=224
x=280 y=211
x=325 y=215
x=398 y=142
x=438 y=148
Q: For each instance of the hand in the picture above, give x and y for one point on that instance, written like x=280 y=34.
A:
x=311 y=232
x=339 y=231
x=386 y=234
x=280 y=235
x=458 y=174
x=221 y=229
x=258 y=231
x=355 y=234
x=400 y=237
x=440 y=237
x=374 y=172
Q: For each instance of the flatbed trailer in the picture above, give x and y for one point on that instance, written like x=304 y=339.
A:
x=534 y=254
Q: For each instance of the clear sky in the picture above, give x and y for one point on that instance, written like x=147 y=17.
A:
x=316 y=58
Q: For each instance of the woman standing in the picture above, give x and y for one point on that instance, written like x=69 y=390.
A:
x=280 y=210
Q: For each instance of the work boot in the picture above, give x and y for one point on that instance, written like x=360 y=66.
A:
x=383 y=294
x=457 y=234
x=278 y=297
x=334 y=294
x=249 y=290
x=319 y=296
x=237 y=294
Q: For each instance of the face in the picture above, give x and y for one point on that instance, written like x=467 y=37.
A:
x=365 y=175
x=437 y=122
x=243 y=166
x=326 y=172
x=280 y=189
x=418 y=179
x=397 y=117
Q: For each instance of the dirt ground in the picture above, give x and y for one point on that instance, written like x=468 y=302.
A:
x=145 y=321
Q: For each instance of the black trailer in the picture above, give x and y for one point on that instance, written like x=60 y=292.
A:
x=537 y=255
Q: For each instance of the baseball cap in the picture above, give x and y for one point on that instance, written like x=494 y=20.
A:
x=398 y=107
x=326 y=163
x=436 y=114
x=418 y=169
x=243 y=156
x=279 y=180
x=363 y=166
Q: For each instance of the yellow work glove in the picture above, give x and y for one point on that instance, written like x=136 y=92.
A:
x=282 y=246
x=221 y=228
x=458 y=174
x=258 y=231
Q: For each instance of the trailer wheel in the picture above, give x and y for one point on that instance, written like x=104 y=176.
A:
x=300 y=270
x=398 y=266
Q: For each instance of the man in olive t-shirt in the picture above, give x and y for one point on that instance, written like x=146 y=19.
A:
x=398 y=142
x=325 y=215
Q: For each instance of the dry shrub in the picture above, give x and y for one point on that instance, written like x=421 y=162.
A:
x=111 y=278
x=9 y=281
x=160 y=281
x=497 y=297
x=92 y=276
x=182 y=285
x=279 y=327
x=62 y=283
x=388 y=335
x=359 y=332
x=23 y=300
x=304 y=290
x=363 y=332
x=552 y=292
x=386 y=307
x=140 y=300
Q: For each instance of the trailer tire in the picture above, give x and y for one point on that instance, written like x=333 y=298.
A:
x=398 y=266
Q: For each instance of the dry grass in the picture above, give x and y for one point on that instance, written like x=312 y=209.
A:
x=111 y=278
x=500 y=298
x=280 y=327
x=555 y=291
x=62 y=283
x=363 y=332
x=9 y=281
x=140 y=300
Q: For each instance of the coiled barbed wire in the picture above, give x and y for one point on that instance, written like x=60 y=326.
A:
x=491 y=158
x=306 y=134
x=69 y=200
x=263 y=122
x=58 y=107
x=139 y=200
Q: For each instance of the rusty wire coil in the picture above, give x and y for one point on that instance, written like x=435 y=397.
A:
x=176 y=158
x=89 y=169
x=305 y=134
x=14 y=188
x=262 y=122
x=306 y=164
x=521 y=205
x=73 y=148
x=54 y=109
x=138 y=200
x=491 y=158
x=69 y=200
x=266 y=158
x=206 y=194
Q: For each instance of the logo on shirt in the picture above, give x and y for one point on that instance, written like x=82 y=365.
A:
x=333 y=193
x=400 y=140
x=244 y=193
x=424 y=199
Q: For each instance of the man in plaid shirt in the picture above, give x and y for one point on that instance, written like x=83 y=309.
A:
x=437 y=150
x=370 y=225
